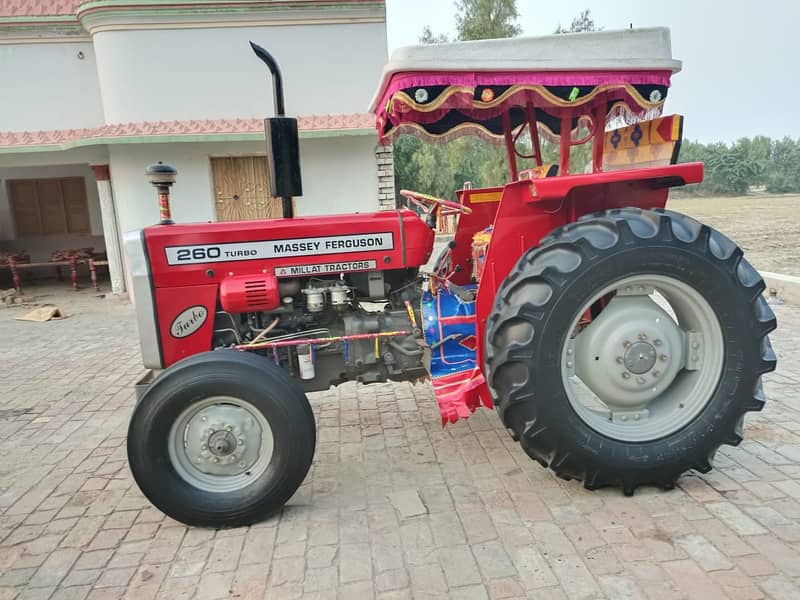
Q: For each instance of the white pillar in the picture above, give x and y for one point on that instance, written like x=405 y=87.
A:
x=113 y=250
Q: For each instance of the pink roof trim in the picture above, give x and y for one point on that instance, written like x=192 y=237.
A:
x=38 y=8
x=11 y=139
x=48 y=8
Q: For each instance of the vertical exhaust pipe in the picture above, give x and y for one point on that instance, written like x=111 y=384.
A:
x=283 y=141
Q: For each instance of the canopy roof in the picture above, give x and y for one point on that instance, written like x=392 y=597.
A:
x=442 y=90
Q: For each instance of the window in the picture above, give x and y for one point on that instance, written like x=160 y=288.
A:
x=49 y=206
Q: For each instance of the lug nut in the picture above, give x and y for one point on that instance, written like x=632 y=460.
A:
x=636 y=417
x=569 y=351
x=642 y=336
x=620 y=360
x=216 y=460
x=569 y=364
x=695 y=358
x=657 y=342
x=626 y=375
x=626 y=344
x=241 y=464
x=203 y=447
x=640 y=380
x=228 y=428
x=695 y=345
x=663 y=358
x=624 y=417
x=241 y=442
x=204 y=418
x=656 y=373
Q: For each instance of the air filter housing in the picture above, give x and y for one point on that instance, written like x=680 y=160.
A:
x=249 y=293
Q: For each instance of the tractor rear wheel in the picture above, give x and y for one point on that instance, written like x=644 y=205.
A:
x=626 y=348
x=221 y=439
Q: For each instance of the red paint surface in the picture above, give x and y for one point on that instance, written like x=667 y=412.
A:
x=178 y=287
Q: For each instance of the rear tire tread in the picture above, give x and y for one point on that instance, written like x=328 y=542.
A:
x=581 y=242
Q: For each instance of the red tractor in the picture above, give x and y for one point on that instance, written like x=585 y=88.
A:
x=620 y=343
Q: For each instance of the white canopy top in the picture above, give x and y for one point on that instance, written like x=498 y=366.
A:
x=624 y=50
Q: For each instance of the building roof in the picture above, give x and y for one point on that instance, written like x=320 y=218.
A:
x=179 y=131
x=49 y=8
x=38 y=8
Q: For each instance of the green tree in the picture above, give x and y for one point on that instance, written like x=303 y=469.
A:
x=486 y=19
x=583 y=22
x=784 y=175
x=428 y=37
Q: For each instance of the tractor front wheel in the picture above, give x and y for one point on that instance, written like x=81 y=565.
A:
x=627 y=347
x=221 y=439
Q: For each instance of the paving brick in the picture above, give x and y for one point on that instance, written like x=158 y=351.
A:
x=735 y=518
x=408 y=504
x=704 y=552
x=54 y=568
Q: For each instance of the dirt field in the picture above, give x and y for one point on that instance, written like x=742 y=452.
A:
x=766 y=227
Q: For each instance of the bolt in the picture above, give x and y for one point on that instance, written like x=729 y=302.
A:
x=569 y=364
x=241 y=442
x=629 y=289
x=620 y=360
x=204 y=418
x=642 y=336
x=569 y=351
x=656 y=373
x=695 y=358
x=636 y=417
x=695 y=345
x=228 y=428
x=203 y=447
x=657 y=342
x=216 y=460
x=641 y=288
x=209 y=431
x=241 y=464
x=640 y=380
x=626 y=375
x=626 y=344
x=624 y=417
x=663 y=358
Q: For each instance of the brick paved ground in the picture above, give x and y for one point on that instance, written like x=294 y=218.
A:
x=395 y=507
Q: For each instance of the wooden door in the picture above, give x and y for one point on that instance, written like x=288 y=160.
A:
x=51 y=206
x=241 y=189
x=25 y=206
x=75 y=205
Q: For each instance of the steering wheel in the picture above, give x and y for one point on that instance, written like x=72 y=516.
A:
x=430 y=204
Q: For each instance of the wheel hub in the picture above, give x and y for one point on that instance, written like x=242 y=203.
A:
x=221 y=443
x=630 y=353
x=640 y=358
x=222 y=439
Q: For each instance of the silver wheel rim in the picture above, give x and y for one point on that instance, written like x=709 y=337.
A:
x=220 y=444
x=648 y=364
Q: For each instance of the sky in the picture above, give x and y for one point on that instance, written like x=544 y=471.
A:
x=741 y=58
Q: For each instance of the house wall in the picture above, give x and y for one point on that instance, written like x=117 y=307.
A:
x=41 y=246
x=339 y=176
x=181 y=74
x=46 y=86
